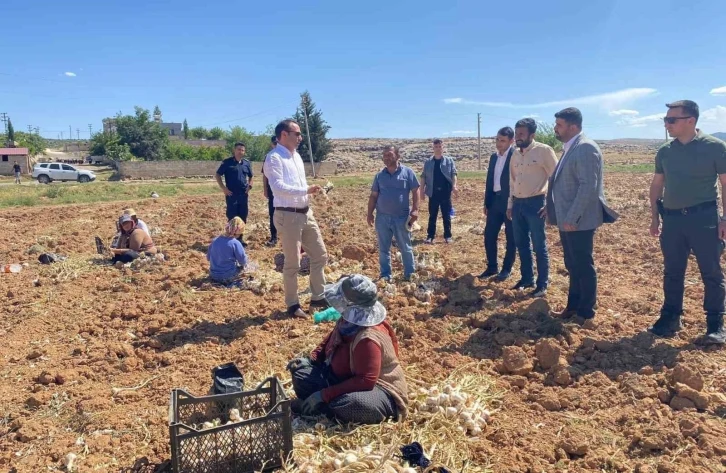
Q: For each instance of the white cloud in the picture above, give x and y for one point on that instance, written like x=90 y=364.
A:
x=719 y=91
x=715 y=116
x=459 y=132
x=637 y=122
x=620 y=113
x=609 y=101
x=70 y=74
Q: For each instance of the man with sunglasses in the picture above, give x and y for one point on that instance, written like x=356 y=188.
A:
x=684 y=192
x=293 y=218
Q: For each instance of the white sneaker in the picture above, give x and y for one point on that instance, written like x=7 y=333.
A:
x=448 y=240
x=429 y=241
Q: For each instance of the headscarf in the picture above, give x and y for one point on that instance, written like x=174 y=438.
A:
x=234 y=227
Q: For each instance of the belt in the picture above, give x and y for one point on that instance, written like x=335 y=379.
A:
x=303 y=210
x=691 y=209
x=527 y=198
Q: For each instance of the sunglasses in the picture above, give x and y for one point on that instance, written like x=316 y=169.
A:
x=673 y=120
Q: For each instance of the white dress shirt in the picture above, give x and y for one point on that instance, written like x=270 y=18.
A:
x=285 y=172
x=565 y=148
x=499 y=168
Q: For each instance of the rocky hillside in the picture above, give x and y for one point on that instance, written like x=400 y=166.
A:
x=364 y=154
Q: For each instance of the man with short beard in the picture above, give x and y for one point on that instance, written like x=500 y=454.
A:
x=576 y=204
x=532 y=164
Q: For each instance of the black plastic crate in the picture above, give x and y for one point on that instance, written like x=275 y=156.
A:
x=259 y=442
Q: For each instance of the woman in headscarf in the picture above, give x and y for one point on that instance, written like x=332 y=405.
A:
x=226 y=255
x=354 y=375
x=132 y=242
x=139 y=223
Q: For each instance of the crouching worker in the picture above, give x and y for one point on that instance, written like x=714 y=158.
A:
x=132 y=242
x=354 y=375
x=226 y=256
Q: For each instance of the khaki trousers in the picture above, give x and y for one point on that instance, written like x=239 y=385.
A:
x=294 y=230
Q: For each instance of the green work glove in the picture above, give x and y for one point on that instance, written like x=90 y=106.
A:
x=297 y=363
x=312 y=404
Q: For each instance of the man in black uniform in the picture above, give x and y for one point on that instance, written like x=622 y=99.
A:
x=237 y=173
x=267 y=190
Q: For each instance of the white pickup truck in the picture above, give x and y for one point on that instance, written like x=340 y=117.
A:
x=48 y=172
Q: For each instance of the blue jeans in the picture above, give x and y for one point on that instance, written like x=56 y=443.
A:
x=388 y=226
x=526 y=222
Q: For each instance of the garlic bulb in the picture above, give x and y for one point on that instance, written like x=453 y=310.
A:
x=350 y=459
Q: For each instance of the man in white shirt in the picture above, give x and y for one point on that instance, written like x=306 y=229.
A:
x=496 y=196
x=293 y=218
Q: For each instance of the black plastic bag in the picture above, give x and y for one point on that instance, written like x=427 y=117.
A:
x=226 y=379
x=50 y=258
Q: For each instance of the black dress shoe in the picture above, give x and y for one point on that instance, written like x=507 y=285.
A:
x=666 y=327
x=566 y=314
x=539 y=292
x=319 y=305
x=501 y=277
x=488 y=273
x=523 y=285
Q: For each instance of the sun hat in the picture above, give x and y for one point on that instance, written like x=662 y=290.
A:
x=130 y=212
x=356 y=298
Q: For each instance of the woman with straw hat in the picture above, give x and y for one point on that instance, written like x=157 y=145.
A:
x=226 y=255
x=139 y=223
x=354 y=375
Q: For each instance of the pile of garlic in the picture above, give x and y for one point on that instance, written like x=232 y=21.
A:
x=454 y=405
x=233 y=417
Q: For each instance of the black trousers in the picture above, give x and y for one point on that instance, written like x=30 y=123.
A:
x=237 y=206
x=496 y=217
x=697 y=231
x=366 y=407
x=577 y=249
x=439 y=200
x=271 y=211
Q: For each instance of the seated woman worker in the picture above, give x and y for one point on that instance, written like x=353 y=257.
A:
x=354 y=375
x=132 y=242
x=226 y=255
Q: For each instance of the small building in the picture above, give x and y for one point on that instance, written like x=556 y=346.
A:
x=174 y=129
x=9 y=156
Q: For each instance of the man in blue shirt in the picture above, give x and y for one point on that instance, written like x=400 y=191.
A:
x=390 y=199
x=237 y=173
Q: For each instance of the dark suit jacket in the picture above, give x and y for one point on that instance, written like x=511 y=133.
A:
x=504 y=181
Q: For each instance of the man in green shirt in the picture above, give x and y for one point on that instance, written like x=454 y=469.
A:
x=688 y=168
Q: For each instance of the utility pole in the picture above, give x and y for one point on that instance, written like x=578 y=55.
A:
x=478 y=140
x=90 y=131
x=61 y=136
x=70 y=132
x=4 y=118
x=78 y=134
x=307 y=133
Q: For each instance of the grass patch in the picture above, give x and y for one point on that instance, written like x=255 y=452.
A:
x=632 y=168
x=27 y=196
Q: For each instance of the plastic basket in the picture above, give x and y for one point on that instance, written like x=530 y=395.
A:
x=259 y=443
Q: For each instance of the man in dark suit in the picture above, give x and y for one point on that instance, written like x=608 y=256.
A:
x=496 y=195
x=576 y=204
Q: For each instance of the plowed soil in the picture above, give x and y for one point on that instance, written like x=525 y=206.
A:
x=600 y=397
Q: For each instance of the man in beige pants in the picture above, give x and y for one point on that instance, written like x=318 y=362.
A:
x=294 y=219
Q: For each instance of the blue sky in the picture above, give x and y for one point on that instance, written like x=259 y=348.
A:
x=376 y=69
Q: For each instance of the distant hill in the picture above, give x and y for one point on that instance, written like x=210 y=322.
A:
x=720 y=136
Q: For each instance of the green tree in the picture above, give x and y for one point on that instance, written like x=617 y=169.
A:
x=119 y=151
x=180 y=151
x=36 y=144
x=198 y=133
x=318 y=129
x=185 y=129
x=145 y=138
x=546 y=134
x=215 y=133
x=11 y=133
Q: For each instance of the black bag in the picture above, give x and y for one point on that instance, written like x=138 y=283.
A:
x=226 y=379
x=50 y=258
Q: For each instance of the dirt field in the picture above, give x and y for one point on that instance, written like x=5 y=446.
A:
x=604 y=397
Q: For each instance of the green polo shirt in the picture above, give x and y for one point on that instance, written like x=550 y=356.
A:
x=691 y=170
